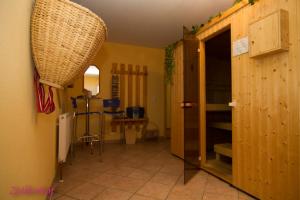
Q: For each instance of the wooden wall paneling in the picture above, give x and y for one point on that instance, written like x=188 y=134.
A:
x=254 y=124
x=180 y=99
x=129 y=90
x=266 y=119
x=281 y=146
x=235 y=117
x=114 y=68
x=137 y=86
x=246 y=149
x=130 y=93
x=122 y=86
x=264 y=134
x=145 y=73
x=286 y=103
x=202 y=103
x=294 y=88
x=243 y=123
x=245 y=92
x=134 y=85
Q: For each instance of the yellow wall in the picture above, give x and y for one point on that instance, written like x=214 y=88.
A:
x=91 y=83
x=128 y=54
x=27 y=139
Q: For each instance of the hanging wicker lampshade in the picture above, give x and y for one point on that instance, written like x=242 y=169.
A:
x=65 y=37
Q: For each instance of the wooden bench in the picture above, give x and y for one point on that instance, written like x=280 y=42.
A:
x=221 y=125
x=223 y=149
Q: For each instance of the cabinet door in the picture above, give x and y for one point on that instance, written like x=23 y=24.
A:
x=177 y=115
x=276 y=27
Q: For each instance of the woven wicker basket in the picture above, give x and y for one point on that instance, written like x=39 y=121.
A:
x=64 y=37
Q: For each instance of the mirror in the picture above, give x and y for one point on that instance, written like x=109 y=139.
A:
x=91 y=80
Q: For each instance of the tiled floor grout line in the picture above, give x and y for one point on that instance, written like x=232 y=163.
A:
x=84 y=181
x=173 y=186
x=136 y=168
x=206 y=182
x=145 y=183
x=112 y=187
x=157 y=171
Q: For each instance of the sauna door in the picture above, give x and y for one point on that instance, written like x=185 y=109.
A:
x=191 y=108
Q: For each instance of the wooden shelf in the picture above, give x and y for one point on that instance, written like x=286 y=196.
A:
x=219 y=168
x=221 y=125
x=223 y=149
x=217 y=107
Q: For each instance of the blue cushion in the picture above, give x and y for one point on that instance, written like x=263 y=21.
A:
x=113 y=103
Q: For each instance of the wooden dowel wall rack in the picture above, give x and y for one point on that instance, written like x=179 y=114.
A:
x=132 y=90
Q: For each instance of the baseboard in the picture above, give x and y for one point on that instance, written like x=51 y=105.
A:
x=137 y=140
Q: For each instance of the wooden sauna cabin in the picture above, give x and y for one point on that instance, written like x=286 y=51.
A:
x=249 y=89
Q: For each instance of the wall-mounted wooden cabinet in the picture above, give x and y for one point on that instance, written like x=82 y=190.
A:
x=270 y=34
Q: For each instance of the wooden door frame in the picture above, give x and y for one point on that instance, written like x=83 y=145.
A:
x=202 y=96
x=202 y=103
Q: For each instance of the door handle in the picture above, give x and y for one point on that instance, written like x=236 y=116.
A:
x=188 y=105
x=232 y=104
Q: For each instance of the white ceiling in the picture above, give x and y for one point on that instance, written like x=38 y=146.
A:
x=153 y=23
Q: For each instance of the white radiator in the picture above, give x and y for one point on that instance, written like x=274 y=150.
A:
x=65 y=135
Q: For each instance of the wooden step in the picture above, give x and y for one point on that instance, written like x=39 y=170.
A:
x=217 y=107
x=223 y=149
x=221 y=125
x=219 y=168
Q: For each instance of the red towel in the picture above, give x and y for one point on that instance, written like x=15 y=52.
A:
x=43 y=106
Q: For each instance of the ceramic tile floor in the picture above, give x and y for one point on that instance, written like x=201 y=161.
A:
x=145 y=171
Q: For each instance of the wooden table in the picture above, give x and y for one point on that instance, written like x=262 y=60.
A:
x=131 y=122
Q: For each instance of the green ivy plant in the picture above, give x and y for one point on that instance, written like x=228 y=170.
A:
x=169 y=62
x=195 y=29
x=169 y=50
x=218 y=15
x=252 y=2
x=236 y=2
